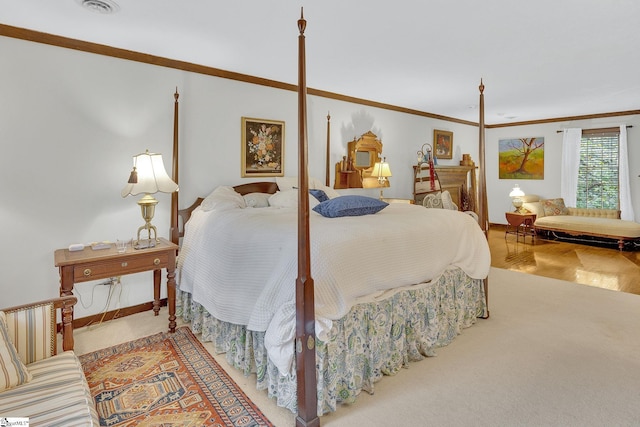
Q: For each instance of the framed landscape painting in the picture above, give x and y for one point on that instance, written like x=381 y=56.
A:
x=521 y=158
x=262 y=147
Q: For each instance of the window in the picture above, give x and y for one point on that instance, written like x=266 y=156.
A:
x=598 y=184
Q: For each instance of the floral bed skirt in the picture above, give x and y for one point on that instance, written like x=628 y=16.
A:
x=372 y=340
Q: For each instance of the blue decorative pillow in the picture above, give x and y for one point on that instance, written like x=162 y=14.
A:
x=350 y=206
x=319 y=194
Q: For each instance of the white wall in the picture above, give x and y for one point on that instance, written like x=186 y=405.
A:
x=69 y=124
x=549 y=187
x=71 y=121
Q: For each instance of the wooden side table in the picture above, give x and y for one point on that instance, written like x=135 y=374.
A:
x=520 y=224
x=395 y=200
x=89 y=264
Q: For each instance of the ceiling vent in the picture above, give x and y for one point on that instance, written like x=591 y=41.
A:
x=105 y=7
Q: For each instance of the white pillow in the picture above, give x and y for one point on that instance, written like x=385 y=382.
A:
x=284 y=199
x=287 y=182
x=12 y=370
x=256 y=200
x=223 y=198
x=289 y=199
x=530 y=198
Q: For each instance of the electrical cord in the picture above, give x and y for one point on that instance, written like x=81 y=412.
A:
x=113 y=283
x=79 y=294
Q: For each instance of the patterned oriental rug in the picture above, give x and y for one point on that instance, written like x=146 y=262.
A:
x=166 y=380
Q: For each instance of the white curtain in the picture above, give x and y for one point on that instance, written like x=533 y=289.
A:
x=626 y=208
x=570 y=163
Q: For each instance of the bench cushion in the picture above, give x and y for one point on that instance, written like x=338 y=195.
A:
x=57 y=394
x=590 y=225
x=598 y=213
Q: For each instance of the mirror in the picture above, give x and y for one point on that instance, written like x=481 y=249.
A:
x=354 y=171
x=363 y=159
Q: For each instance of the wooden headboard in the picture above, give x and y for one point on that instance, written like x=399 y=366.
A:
x=256 y=187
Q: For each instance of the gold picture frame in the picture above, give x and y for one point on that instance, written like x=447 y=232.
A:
x=262 y=147
x=443 y=144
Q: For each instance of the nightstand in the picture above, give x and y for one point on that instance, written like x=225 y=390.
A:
x=520 y=224
x=394 y=200
x=89 y=264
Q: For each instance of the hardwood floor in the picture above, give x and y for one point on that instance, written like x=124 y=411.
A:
x=589 y=265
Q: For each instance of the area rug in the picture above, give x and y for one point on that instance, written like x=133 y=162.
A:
x=166 y=380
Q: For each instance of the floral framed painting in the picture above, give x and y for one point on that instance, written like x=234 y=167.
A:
x=443 y=142
x=262 y=147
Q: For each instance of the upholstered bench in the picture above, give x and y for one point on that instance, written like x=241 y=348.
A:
x=35 y=381
x=554 y=216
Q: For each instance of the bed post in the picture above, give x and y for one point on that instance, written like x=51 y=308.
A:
x=327 y=171
x=483 y=220
x=174 y=231
x=305 y=310
x=482 y=196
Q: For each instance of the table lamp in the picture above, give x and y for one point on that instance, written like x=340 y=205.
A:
x=148 y=177
x=516 y=195
x=382 y=171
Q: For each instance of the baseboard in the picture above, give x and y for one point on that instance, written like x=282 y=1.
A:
x=495 y=226
x=115 y=314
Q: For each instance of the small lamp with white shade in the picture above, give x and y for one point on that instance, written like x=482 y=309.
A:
x=382 y=171
x=148 y=177
x=516 y=195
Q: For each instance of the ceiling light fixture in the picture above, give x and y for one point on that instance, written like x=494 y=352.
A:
x=105 y=7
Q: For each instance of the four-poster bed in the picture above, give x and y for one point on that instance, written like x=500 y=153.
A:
x=343 y=332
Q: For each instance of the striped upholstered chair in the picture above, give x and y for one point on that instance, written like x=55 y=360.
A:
x=36 y=381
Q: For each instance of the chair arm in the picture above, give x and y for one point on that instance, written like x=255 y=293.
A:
x=32 y=327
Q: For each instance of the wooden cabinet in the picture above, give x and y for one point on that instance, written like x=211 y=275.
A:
x=459 y=181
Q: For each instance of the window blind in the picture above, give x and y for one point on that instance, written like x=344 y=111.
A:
x=598 y=183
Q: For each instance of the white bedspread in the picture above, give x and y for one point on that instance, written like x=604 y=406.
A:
x=241 y=264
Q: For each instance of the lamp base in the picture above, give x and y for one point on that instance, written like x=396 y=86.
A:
x=144 y=244
x=148 y=207
x=517 y=203
x=149 y=242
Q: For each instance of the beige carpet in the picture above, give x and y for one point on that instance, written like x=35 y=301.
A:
x=553 y=353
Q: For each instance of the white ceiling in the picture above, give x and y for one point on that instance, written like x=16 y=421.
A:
x=538 y=59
